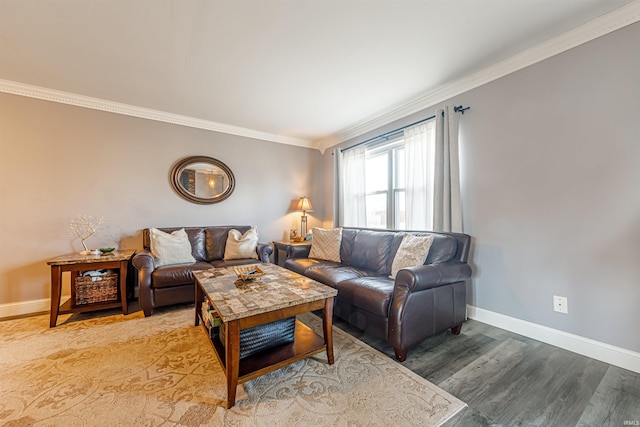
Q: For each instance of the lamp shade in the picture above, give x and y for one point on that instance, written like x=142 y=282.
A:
x=304 y=204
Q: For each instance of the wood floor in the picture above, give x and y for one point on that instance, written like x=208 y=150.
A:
x=510 y=380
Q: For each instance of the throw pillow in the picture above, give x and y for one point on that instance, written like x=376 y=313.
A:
x=326 y=244
x=173 y=248
x=240 y=245
x=412 y=252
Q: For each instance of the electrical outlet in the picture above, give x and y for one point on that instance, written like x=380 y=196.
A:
x=560 y=304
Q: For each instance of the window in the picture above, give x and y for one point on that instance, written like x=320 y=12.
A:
x=389 y=184
x=384 y=185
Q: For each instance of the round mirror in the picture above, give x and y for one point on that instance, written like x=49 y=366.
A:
x=202 y=180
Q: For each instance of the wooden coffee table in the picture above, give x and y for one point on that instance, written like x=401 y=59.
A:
x=278 y=294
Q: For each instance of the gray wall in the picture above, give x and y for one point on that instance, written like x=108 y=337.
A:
x=551 y=189
x=58 y=161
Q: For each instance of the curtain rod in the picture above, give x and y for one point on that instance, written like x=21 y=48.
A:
x=457 y=109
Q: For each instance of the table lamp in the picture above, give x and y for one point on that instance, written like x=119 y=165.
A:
x=304 y=205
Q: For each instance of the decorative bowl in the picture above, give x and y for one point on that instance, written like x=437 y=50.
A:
x=107 y=250
x=248 y=272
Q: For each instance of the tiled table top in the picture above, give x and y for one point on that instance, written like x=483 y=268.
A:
x=76 y=258
x=278 y=288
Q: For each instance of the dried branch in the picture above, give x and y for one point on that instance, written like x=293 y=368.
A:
x=85 y=226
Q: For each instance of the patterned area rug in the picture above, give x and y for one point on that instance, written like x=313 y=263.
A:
x=129 y=370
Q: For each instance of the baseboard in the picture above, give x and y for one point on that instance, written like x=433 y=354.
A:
x=607 y=353
x=27 y=307
x=24 y=308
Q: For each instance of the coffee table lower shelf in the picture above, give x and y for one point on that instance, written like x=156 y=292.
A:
x=306 y=343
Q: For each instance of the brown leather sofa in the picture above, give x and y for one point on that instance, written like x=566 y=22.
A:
x=174 y=284
x=422 y=301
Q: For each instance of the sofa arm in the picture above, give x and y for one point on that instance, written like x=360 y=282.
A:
x=144 y=259
x=426 y=300
x=423 y=277
x=145 y=264
x=298 y=251
x=264 y=251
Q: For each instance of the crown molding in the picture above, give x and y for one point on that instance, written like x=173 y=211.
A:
x=598 y=27
x=22 y=89
x=619 y=18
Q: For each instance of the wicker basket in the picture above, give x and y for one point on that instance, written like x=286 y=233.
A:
x=91 y=290
x=262 y=337
x=248 y=272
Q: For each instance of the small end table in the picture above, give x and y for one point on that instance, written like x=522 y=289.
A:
x=75 y=263
x=286 y=246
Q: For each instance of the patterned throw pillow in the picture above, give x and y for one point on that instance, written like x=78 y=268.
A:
x=412 y=252
x=240 y=245
x=326 y=244
x=173 y=248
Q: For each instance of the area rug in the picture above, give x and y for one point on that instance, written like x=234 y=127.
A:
x=120 y=370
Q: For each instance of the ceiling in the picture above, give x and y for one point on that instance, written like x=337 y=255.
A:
x=292 y=71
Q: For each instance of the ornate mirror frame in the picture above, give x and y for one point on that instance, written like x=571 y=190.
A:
x=188 y=172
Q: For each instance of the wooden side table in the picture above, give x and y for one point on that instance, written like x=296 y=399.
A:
x=76 y=263
x=282 y=245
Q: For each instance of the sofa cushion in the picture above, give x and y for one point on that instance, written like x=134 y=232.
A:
x=346 y=247
x=176 y=275
x=197 y=239
x=371 y=251
x=372 y=294
x=216 y=240
x=326 y=244
x=171 y=248
x=300 y=265
x=443 y=249
x=240 y=245
x=330 y=276
x=413 y=251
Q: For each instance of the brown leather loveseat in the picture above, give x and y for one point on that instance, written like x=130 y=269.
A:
x=174 y=284
x=422 y=301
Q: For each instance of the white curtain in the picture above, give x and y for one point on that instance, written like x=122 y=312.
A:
x=352 y=210
x=432 y=170
x=419 y=144
x=447 y=205
x=432 y=174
